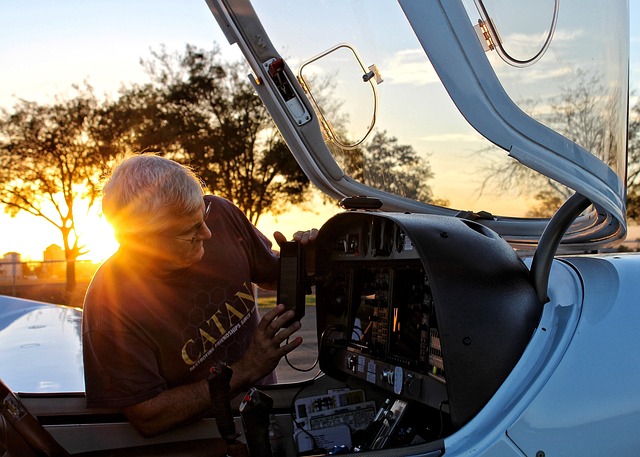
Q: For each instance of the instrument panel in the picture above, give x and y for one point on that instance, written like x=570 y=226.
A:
x=433 y=310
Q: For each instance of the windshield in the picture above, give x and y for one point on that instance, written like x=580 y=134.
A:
x=389 y=122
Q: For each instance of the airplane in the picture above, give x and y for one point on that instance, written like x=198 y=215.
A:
x=441 y=330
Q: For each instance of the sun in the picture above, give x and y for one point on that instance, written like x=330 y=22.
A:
x=29 y=235
x=96 y=235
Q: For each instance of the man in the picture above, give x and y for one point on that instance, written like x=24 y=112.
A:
x=177 y=297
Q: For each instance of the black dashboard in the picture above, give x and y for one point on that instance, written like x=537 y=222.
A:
x=432 y=310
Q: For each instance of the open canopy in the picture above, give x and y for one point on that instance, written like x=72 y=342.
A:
x=492 y=110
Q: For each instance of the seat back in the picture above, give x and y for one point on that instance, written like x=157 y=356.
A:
x=21 y=435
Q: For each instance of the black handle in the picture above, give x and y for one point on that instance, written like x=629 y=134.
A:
x=254 y=409
x=219 y=379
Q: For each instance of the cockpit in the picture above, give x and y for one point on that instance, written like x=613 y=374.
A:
x=466 y=297
x=452 y=132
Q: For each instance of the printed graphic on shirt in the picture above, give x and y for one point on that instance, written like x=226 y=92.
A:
x=216 y=316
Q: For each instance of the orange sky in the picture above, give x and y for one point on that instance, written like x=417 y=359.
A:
x=30 y=235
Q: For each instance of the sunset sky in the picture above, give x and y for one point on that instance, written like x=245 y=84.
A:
x=45 y=47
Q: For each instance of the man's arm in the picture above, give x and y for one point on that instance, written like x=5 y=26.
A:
x=169 y=408
x=184 y=403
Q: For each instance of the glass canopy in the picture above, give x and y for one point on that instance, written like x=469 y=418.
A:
x=491 y=108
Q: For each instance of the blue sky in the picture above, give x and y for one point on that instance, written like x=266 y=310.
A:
x=46 y=46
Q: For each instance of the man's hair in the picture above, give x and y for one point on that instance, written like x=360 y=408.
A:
x=145 y=191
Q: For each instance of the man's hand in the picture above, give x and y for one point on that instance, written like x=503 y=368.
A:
x=307 y=239
x=303 y=237
x=267 y=347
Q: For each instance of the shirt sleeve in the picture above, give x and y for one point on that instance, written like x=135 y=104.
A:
x=120 y=370
x=263 y=261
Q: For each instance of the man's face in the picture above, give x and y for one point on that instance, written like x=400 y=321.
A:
x=180 y=244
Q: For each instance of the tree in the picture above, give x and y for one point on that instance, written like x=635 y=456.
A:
x=579 y=113
x=203 y=112
x=549 y=200
x=633 y=171
x=51 y=157
x=396 y=168
x=384 y=164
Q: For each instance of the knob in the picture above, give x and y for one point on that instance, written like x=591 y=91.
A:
x=387 y=376
x=352 y=363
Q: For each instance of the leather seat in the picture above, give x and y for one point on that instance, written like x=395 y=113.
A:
x=21 y=435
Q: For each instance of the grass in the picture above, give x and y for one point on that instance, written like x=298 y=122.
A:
x=270 y=301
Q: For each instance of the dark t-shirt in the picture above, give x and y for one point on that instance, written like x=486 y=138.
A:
x=143 y=334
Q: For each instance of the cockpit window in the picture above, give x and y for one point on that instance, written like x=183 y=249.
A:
x=494 y=121
x=576 y=83
x=343 y=92
x=520 y=31
x=420 y=146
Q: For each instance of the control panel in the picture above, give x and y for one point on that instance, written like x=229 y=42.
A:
x=426 y=309
x=392 y=338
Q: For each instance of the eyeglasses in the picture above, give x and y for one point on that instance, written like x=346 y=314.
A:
x=192 y=240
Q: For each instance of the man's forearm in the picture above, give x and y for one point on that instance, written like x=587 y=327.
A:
x=169 y=408
x=182 y=404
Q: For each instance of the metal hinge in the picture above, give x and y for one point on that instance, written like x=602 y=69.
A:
x=482 y=30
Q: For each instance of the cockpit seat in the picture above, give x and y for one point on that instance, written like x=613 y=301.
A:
x=21 y=435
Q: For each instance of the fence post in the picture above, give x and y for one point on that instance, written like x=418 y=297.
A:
x=13 y=288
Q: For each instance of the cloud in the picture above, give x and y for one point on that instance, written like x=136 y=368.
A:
x=410 y=66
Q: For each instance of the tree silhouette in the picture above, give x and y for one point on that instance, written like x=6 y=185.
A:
x=382 y=163
x=549 y=200
x=202 y=111
x=396 y=168
x=633 y=171
x=51 y=157
x=579 y=113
